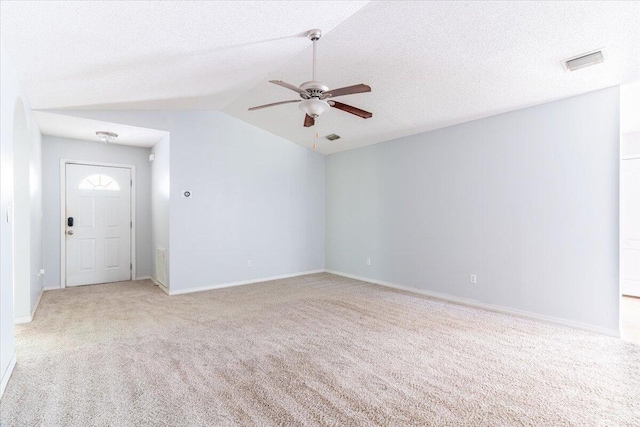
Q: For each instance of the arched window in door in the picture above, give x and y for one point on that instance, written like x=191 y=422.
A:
x=99 y=182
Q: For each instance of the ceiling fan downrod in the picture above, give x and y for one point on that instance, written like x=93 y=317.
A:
x=314 y=36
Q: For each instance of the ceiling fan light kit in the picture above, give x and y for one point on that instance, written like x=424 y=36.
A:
x=314 y=107
x=315 y=94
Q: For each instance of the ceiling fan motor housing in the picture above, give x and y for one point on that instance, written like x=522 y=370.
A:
x=314 y=106
x=314 y=88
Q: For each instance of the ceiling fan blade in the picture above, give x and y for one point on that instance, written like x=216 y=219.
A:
x=349 y=109
x=308 y=121
x=361 y=88
x=289 y=86
x=272 y=104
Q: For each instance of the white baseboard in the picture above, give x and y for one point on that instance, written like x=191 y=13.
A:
x=6 y=375
x=142 y=278
x=27 y=319
x=243 y=282
x=51 y=288
x=490 y=307
x=23 y=319
x=35 y=307
x=160 y=285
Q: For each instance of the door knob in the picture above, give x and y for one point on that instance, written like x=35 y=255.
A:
x=70 y=232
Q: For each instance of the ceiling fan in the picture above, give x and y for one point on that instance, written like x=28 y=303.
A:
x=316 y=95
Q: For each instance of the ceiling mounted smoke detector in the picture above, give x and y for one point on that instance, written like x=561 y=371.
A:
x=105 y=136
x=584 y=60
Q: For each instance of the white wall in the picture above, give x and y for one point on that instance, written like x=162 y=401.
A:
x=54 y=149
x=527 y=200
x=17 y=125
x=630 y=120
x=630 y=145
x=160 y=191
x=27 y=209
x=256 y=196
x=22 y=220
x=9 y=94
x=36 y=216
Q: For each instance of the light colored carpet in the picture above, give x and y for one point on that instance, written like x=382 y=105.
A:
x=313 y=350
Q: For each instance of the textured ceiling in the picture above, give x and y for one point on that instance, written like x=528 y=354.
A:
x=430 y=64
x=85 y=129
x=434 y=64
x=155 y=54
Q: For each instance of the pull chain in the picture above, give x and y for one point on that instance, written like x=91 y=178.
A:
x=317 y=135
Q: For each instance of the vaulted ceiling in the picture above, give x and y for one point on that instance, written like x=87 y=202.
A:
x=430 y=64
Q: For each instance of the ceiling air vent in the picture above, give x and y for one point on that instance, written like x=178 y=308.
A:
x=332 y=137
x=584 y=60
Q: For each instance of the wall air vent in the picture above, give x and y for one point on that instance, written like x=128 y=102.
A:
x=332 y=137
x=584 y=60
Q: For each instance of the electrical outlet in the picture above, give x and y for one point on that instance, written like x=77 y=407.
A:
x=249 y=263
x=368 y=261
x=473 y=279
x=41 y=272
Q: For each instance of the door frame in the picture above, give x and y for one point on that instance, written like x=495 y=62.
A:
x=63 y=212
x=634 y=156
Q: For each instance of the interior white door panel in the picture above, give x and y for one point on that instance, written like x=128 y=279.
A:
x=98 y=224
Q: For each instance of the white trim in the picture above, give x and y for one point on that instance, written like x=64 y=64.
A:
x=63 y=216
x=51 y=288
x=160 y=285
x=33 y=312
x=242 y=282
x=63 y=212
x=142 y=278
x=6 y=375
x=23 y=319
x=490 y=307
x=27 y=319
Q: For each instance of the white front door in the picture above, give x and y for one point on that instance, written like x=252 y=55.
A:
x=98 y=224
x=630 y=227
